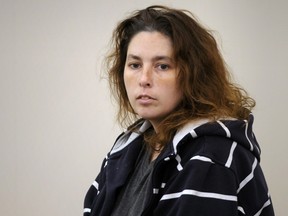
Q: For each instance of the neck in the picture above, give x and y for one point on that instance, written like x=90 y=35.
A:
x=155 y=152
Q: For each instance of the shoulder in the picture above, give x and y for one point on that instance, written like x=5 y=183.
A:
x=221 y=150
x=219 y=154
x=225 y=142
x=224 y=151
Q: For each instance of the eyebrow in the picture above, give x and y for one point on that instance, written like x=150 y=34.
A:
x=156 y=58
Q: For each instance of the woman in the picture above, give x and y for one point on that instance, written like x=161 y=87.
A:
x=190 y=148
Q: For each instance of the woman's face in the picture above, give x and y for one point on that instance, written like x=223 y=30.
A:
x=150 y=76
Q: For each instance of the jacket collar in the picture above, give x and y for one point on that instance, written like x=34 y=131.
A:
x=129 y=136
x=187 y=129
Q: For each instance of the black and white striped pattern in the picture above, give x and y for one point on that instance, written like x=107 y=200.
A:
x=208 y=169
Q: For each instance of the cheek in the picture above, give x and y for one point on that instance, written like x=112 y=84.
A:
x=128 y=84
x=177 y=94
x=126 y=80
x=173 y=94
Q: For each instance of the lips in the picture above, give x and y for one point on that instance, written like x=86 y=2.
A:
x=145 y=100
x=145 y=97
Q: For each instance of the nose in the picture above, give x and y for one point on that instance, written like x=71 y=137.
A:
x=146 y=78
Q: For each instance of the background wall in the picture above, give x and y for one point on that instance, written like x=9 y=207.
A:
x=56 y=117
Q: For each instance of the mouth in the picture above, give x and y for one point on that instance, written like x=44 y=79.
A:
x=145 y=97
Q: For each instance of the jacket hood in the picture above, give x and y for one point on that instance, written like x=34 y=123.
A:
x=240 y=131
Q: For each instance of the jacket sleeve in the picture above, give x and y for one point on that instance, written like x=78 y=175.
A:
x=94 y=190
x=204 y=187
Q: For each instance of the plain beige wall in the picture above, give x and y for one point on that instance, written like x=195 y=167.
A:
x=56 y=117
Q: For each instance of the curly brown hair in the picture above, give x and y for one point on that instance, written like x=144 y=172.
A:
x=208 y=90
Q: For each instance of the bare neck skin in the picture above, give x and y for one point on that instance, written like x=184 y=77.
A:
x=154 y=155
x=157 y=149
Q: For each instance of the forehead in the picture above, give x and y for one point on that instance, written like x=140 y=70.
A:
x=153 y=43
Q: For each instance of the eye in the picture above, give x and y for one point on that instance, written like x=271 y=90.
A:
x=134 y=66
x=163 y=67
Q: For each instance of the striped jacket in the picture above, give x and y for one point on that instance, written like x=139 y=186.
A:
x=207 y=169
